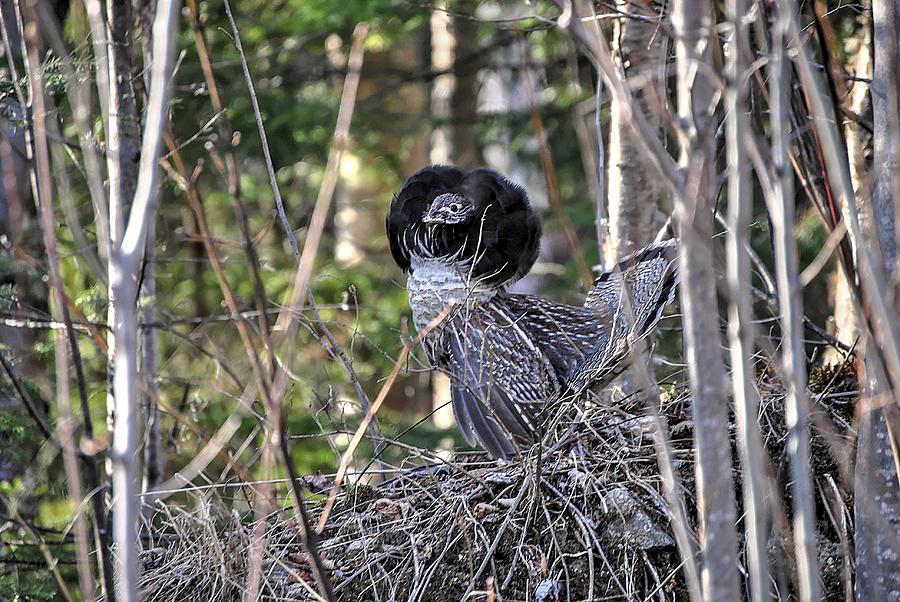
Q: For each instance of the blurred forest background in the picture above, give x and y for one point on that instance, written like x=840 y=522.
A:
x=505 y=84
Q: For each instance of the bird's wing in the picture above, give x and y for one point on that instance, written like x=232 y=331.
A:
x=586 y=346
x=500 y=380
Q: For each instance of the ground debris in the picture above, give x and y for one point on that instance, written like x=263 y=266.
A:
x=593 y=523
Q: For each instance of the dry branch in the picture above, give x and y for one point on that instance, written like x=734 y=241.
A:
x=694 y=203
x=740 y=310
x=781 y=211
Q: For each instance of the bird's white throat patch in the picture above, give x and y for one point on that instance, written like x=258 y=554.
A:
x=435 y=282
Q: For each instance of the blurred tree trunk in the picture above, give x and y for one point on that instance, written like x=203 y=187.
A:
x=359 y=212
x=639 y=48
x=19 y=227
x=877 y=501
x=846 y=323
x=454 y=101
x=443 y=47
x=360 y=194
x=464 y=97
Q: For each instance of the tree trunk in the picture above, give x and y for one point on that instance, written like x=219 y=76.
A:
x=846 y=322
x=702 y=339
x=639 y=48
x=877 y=501
x=464 y=98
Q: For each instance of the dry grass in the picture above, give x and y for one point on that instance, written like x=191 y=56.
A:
x=595 y=527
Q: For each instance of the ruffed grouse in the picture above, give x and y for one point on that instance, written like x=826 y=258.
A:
x=464 y=237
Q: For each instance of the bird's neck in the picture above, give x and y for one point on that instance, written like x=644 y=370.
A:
x=436 y=282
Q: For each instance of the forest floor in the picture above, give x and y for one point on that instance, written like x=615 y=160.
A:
x=587 y=519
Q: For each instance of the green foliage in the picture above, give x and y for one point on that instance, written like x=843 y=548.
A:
x=27 y=584
x=24 y=576
x=18 y=437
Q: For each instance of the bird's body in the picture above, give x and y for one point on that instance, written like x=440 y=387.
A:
x=463 y=239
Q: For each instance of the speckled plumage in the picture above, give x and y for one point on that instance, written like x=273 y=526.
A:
x=511 y=355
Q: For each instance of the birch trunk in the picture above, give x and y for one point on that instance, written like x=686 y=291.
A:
x=633 y=194
x=125 y=264
x=846 y=322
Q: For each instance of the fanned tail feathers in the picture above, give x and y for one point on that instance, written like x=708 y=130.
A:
x=639 y=287
x=632 y=296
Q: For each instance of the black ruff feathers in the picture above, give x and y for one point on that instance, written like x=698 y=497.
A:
x=503 y=235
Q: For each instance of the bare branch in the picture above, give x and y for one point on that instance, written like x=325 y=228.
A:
x=702 y=339
x=790 y=304
x=279 y=203
x=39 y=154
x=740 y=309
x=648 y=141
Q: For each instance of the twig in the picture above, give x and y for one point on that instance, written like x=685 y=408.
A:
x=27 y=401
x=272 y=401
x=602 y=211
x=549 y=169
x=39 y=152
x=672 y=487
x=360 y=431
x=818 y=263
x=231 y=173
x=285 y=327
x=335 y=350
x=740 y=309
x=279 y=202
x=644 y=133
x=524 y=486
x=781 y=210
x=80 y=98
x=51 y=561
x=881 y=317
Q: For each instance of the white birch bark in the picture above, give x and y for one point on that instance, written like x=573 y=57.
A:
x=125 y=264
x=633 y=196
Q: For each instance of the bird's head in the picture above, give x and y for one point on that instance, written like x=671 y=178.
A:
x=449 y=209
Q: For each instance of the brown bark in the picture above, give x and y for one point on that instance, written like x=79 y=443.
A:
x=464 y=98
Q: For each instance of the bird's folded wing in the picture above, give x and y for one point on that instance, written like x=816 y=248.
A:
x=499 y=383
x=631 y=297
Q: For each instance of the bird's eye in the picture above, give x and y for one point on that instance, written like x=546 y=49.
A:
x=454 y=207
